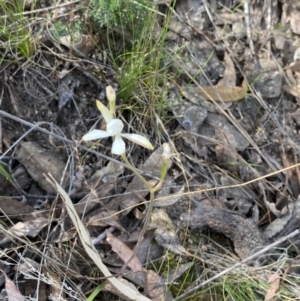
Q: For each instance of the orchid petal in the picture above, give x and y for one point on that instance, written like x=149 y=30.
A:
x=104 y=111
x=118 y=146
x=138 y=139
x=115 y=127
x=95 y=134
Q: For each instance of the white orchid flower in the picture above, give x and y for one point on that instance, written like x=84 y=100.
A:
x=114 y=129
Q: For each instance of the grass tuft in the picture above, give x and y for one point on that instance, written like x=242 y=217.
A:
x=15 y=31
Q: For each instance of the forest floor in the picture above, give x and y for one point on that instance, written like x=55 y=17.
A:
x=211 y=211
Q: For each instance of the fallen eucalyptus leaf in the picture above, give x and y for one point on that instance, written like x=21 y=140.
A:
x=30 y=228
x=13 y=294
x=39 y=161
x=124 y=252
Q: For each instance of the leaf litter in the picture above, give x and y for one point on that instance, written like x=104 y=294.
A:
x=230 y=114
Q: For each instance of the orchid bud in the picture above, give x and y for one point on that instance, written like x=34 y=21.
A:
x=166 y=152
x=164 y=167
x=111 y=96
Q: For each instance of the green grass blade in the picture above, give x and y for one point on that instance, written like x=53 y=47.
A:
x=97 y=290
x=6 y=175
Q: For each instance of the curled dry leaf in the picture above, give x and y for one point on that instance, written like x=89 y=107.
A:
x=285 y=222
x=293 y=16
x=143 y=253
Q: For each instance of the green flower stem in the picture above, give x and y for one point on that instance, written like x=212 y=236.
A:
x=133 y=169
x=152 y=190
x=163 y=173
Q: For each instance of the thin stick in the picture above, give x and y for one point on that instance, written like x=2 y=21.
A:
x=255 y=255
x=248 y=26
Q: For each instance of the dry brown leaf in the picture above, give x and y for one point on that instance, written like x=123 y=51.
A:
x=214 y=203
x=108 y=173
x=166 y=233
x=177 y=272
x=295 y=21
x=67 y=236
x=279 y=223
x=229 y=78
x=143 y=252
x=230 y=136
x=105 y=218
x=138 y=214
x=81 y=44
x=227 y=157
x=15 y=209
x=31 y=286
x=124 y=252
x=154 y=289
x=13 y=294
x=30 y=268
x=289 y=159
x=39 y=161
x=225 y=152
x=56 y=284
x=170 y=199
x=274 y=280
x=30 y=228
x=293 y=90
x=224 y=93
x=235 y=192
x=92 y=200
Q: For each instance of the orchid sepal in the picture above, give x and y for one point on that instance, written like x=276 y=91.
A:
x=95 y=134
x=104 y=111
x=139 y=139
